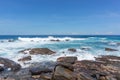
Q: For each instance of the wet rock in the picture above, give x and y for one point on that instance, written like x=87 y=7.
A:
x=85 y=48
x=42 y=51
x=22 y=74
x=72 y=50
x=62 y=73
x=67 y=40
x=10 y=40
x=118 y=43
x=55 y=40
x=38 y=70
x=66 y=65
x=109 y=49
x=7 y=78
x=28 y=58
x=47 y=65
x=10 y=64
x=68 y=59
x=1 y=69
x=25 y=51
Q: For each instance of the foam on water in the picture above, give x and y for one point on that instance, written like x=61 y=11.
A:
x=48 y=39
x=96 y=45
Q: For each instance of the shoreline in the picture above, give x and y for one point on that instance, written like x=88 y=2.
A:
x=107 y=67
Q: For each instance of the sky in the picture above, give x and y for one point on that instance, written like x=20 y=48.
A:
x=84 y=17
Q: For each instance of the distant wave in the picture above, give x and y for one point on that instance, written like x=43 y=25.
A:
x=50 y=38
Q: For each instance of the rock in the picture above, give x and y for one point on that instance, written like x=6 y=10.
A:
x=47 y=65
x=22 y=74
x=36 y=77
x=42 y=51
x=1 y=69
x=46 y=76
x=85 y=48
x=67 y=40
x=82 y=76
x=69 y=59
x=28 y=58
x=118 y=43
x=10 y=40
x=72 y=50
x=109 y=49
x=25 y=51
x=7 y=78
x=10 y=64
x=66 y=65
x=117 y=75
x=55 y=40
x=38 y=70
x=62 y=73
x=107 y=58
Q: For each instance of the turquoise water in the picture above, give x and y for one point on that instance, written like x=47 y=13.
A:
x=10 y=45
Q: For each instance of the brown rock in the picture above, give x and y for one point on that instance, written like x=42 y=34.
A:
x=81 y=76
x=36 y=76
x=42 y=51
x=28 y=58
x=62 y=73
x=72 y=50
x=109 y=49
x=46 y=76
x=66 y=65
x=69 y=59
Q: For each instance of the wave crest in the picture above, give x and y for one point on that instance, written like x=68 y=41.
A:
x=50 y=38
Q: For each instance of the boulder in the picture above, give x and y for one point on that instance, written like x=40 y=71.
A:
x=46 y=76
x=39 y=70
x=22 y=74
x=85 y=48
x=1 y=68
x=66 y=65
x=42 y=51
x=10 y=64
x=83 y=76
x=62 y=73
x=28 y=58
x=109 y=49
x=72 y=50
x=68 y=59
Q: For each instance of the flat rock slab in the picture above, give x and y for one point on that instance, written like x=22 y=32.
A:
x=42 y=51
x=68 y=59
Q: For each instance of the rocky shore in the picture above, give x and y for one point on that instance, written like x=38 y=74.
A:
x=65 y=68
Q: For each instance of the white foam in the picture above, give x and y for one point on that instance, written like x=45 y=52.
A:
x=50 y=38
x=113 y=43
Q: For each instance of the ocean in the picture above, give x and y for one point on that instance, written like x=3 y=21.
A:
x=88 y=46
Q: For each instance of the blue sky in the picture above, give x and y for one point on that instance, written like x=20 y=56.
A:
x=59 y=17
